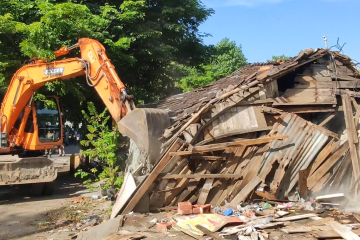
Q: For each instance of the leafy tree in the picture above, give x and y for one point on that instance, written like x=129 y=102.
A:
x=276 y=58
x=102 y=145
x=143 y=38
x=223 y=59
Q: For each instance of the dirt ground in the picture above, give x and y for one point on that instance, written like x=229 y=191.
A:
x=21 y=216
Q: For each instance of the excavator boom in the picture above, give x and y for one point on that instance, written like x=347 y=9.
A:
x=143 y=126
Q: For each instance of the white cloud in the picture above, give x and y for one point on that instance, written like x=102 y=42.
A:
x=248 y=3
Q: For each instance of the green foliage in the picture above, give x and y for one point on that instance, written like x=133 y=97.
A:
x=223 y=59
x=102 y=143
x=143 y=38
x=281 y=58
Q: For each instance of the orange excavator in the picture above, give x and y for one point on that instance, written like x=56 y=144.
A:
x=27 y=127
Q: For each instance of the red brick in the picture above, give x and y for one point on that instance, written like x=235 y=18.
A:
x=184 y=208
x=164 y=226
x=205 y=208
x=196 y=210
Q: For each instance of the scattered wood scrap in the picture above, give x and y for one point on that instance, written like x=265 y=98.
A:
x=343 y=231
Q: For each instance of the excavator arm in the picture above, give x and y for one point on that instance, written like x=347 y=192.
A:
x=94 y=64
x=142 y=126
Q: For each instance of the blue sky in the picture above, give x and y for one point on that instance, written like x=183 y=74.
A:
x=274 y=27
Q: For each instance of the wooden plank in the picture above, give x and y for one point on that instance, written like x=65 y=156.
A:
x=251 y=170
x=269 y=225
x=326 y=120
x=327 y=85
x=222 y=146
x=347 y=78
x=204 y=192
x=206 y=231
x=325 y=152
x=307 y=109
x=343 y=231
x=238 y=162
x=319 y=184
x=208 y=158
x=187 y=232
x=294 y=218
x=322 y=170
x=352 y=135
x=357 y=114
x=184 y=183
x=303 y=174
x=245 y=191
x=291 y=230
x=233 y=133
x=329 y=234
x=266 y=195
x=145 y=185
x=168 y=190
x=172 y=176
x=350 y=125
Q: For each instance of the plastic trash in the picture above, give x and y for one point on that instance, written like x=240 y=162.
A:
x=267 y=206
x=154 y=220
x=95 y=197
x=228 y=212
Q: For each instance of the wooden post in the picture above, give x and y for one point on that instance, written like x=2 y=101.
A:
x=352 y=134
x=303 y=174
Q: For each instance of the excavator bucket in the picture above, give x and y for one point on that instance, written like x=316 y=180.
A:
x=144 y=127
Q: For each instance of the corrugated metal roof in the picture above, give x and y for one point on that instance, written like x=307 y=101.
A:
x=294 y=153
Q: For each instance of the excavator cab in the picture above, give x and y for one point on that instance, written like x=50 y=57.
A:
x=40 y=124
x=40 y=127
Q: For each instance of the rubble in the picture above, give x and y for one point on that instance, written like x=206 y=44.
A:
x=285 y=133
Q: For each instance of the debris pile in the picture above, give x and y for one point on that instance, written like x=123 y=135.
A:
x=275 y=131
x=261 y=221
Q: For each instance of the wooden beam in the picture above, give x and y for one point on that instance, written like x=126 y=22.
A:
x=187 y=232
x=307 y=109
x=145 y=185
x=222 y=146
x=349 y=121
x=327 y=85
x=256 y=102
x=326 y=120
x=241 y=196
x=205 y=190
x=357 y=114
x=266 y=195
x=355 y=82
x=352 y=135
x=294 y=218
x=206 y=231
x=174 y=176
x=208 y=158
x=324 y=168
x=303 y=174
x=343 y=231
x=330 y=234
x=233 y=133
x=325 y=152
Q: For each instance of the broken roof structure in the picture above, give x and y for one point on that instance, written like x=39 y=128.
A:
x=266 y=131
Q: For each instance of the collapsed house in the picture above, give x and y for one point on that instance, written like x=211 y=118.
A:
x=275 y=131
